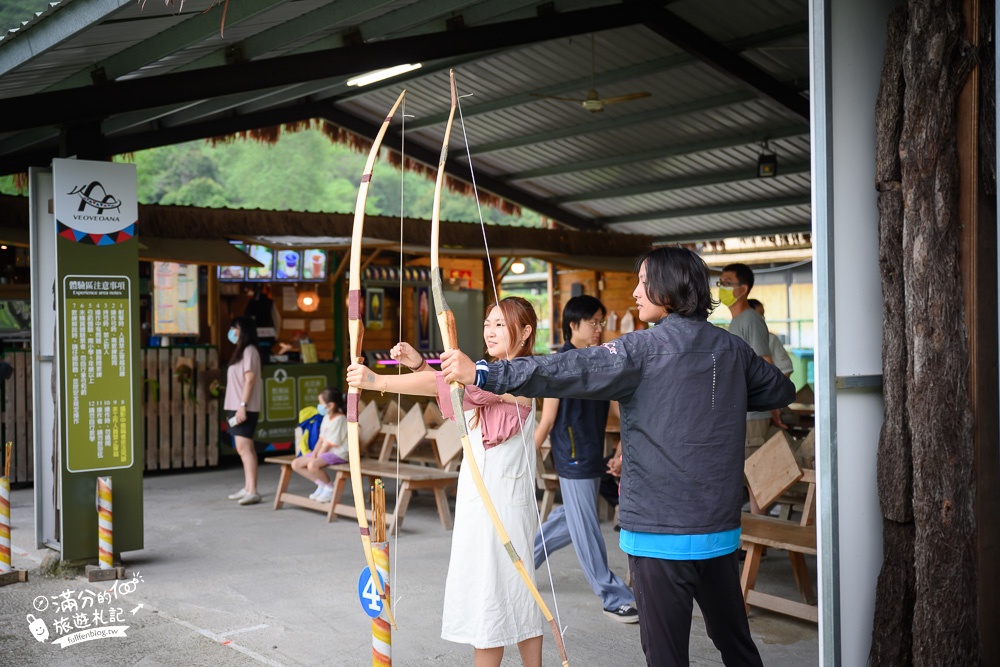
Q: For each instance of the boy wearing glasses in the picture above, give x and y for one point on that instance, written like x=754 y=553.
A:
x=575 y=427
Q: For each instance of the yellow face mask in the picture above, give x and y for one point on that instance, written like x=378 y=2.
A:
x=726 y=296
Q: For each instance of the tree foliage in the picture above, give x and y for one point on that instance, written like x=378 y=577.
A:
x=302 y=171
x=14 y=12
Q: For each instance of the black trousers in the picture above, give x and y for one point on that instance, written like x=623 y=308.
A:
x=664 y=591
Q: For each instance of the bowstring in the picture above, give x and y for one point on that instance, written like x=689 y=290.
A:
x=399 y=367
x=496 y=296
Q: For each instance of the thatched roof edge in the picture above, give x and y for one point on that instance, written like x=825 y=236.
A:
x=189 y=222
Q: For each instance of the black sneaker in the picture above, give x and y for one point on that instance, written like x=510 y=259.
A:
x=623 y=614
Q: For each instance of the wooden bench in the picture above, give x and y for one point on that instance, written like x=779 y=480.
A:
x=403 y=438
x=770 y=472
x=411 y=478
x=282 y=496
x=760 y=532
x=422 y=429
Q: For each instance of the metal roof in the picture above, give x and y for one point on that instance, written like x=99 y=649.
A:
x=98 y=77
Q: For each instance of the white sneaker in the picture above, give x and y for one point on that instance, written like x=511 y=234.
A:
x=250 y=499
x=325 y=495
x=238 y=495
x=315 y=494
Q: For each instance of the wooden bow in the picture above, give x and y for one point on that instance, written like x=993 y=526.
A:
x=357 y=333
x=449 y=336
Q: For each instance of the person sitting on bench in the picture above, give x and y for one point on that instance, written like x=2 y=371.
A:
x=330 y=449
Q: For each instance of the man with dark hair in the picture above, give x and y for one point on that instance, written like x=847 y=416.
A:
x=684 y=387
x=734 y=290
x=575 y=427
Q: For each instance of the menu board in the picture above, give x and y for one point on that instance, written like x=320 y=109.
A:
x=233 y=272
x=175 y=299
x=98 y=372
x=287 y=265
x=265 y=256
x=314 y=264
x=279 y=265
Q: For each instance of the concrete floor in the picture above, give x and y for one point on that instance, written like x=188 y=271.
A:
x=224 y=585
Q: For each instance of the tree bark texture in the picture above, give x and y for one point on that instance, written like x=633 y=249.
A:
x=892 y=638
x=935 y=64
x=895 y=467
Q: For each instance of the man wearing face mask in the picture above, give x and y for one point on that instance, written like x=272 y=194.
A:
x=734 y=289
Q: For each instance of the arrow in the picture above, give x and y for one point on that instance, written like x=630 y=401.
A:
x=137 y=608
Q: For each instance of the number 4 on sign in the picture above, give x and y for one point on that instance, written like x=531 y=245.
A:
x=371 y=603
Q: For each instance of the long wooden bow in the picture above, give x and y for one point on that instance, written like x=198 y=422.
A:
x=357 y=333
x=449 y=336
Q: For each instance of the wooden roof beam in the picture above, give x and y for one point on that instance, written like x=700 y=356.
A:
x=99 y=102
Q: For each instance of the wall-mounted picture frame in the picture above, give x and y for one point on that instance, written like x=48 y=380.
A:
x=374 y=307
x=423 y=318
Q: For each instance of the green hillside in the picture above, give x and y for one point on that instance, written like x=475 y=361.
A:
x=13 y=12
x=303 y=171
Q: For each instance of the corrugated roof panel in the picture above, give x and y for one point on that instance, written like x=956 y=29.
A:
x=678 y=132
x=749 y=223
x=725 y=20
x=749 y=190
x=613 y=148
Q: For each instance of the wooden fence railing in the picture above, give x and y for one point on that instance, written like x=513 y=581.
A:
x=15 y=416
x=180 y=417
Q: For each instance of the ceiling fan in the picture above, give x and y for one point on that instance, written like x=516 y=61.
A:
x=594 y=103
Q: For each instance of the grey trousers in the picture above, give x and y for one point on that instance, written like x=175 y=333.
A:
x=575 y=521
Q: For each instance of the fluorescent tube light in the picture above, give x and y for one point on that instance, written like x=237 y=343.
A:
x=382 y=74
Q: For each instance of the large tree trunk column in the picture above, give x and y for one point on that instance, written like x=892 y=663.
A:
x=892 y=638
x=938 y=417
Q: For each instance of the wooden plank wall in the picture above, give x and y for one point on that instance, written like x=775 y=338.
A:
x=389 y=334
x=613 y=288
x=16 y=417
x=182 y=419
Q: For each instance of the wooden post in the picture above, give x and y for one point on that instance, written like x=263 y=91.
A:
x=8 y=575
x=381 y=629
x=105 y=537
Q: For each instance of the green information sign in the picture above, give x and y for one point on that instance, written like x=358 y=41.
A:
x=310 y=386
x=279 y=397
x=287 y=389
x=97 y=268
x=97 y=335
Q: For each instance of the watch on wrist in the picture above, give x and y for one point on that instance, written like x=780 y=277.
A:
x=243 y=404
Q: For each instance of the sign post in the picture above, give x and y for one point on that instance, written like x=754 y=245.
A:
x=97 y=256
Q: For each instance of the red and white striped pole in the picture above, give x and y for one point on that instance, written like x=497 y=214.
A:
x=105 y=532
x=5 y=525
x=381 y=630
x=5 y=565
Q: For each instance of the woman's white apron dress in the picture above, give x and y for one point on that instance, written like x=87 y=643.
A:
x=486 y=603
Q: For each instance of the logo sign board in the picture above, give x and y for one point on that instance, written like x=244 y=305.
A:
x=97 y=259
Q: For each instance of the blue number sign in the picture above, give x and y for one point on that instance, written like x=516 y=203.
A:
x=371 y=603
